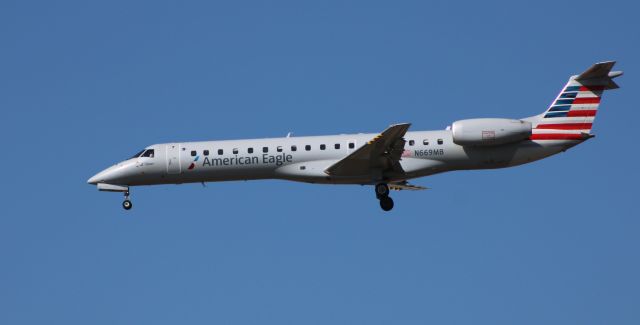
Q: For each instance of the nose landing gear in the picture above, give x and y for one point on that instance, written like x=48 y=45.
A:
x=382 y=193
x=127 y=205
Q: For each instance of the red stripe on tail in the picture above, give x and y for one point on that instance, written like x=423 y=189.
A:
x=574 y=113
x=567 y=126
x=587 y=100
x=556 y=136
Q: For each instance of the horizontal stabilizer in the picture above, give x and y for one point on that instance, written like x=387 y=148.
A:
x=600 y=74
x=598 y=70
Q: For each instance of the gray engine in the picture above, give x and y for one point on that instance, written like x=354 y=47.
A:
x=490 y=131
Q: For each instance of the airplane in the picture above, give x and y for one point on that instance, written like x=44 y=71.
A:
x=387 y=160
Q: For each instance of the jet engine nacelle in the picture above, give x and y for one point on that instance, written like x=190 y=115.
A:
x=489 y=131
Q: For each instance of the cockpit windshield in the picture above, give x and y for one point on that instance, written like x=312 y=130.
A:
x=149 y=153
x=137 y=155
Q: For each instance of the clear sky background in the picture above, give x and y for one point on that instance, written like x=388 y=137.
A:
x=86 y=84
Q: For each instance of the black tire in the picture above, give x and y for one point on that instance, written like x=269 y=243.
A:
x=127 y=205
x=386 y=203
x=382 y=190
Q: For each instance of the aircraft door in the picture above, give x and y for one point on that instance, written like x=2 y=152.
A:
x=173 y=158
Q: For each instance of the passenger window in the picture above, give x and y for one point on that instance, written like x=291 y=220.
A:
x=307 y=147
x=206 y=152
x=294 y=148
x=425 y=142
x=279 y=149
x=337 y=146
x=235 y=151
x=265 y=149
x=352 y=145
x=322 y=147
x=193 y=153
x=220 y=152
x=440 y=141
x=411 y=142
x=250 y=150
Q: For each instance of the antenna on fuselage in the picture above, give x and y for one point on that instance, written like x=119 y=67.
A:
x=289 y=134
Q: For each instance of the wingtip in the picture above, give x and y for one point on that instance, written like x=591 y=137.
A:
x=612 y=62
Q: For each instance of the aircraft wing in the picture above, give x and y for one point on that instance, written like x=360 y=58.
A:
x=381 y=153
x=404 y=185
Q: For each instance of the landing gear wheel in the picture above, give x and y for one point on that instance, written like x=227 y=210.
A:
x=382 y=190
x=127 y=205
x=386 y=203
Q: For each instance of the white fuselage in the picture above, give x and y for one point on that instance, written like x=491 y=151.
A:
x=305 y=159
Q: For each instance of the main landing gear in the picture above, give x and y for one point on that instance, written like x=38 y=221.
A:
x=127 y=205
x=382 y=193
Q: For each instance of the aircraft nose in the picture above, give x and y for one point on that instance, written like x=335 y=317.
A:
x=99 y=177
x=116 y=174
x=93 y=180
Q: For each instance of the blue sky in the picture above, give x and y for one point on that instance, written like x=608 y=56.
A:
x=86 y=84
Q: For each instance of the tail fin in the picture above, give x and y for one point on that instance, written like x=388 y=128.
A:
x=571 y=115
